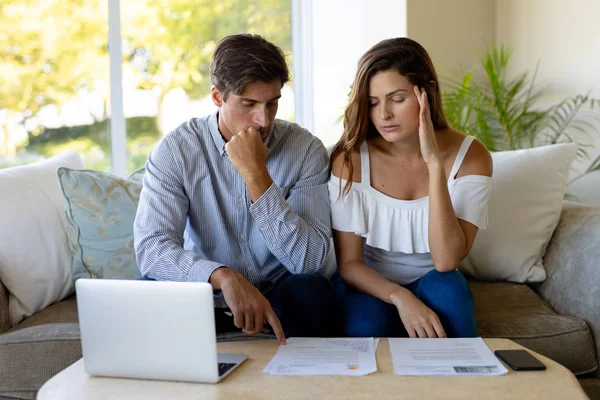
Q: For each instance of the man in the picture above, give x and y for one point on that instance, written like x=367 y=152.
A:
x=250 y=194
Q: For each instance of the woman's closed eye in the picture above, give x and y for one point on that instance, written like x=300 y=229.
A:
x=373 y=103
x=395 y=99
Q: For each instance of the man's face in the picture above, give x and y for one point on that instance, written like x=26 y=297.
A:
x=255 y=107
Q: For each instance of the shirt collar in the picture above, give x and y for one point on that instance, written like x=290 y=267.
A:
x=213 y=125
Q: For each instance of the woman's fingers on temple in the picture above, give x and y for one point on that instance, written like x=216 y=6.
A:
x=417 y=92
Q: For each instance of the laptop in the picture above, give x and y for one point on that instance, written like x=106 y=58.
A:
x=151 y=330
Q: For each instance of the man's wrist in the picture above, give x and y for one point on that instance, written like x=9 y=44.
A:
x=219 y=277
x=257 y=175
x=257 y=184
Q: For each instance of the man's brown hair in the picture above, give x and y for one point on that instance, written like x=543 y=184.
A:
x=244 y=58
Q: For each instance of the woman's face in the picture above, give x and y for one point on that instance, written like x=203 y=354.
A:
x=394 y=107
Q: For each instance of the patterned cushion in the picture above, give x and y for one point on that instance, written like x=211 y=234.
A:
x=137 y=175
x=100 y=209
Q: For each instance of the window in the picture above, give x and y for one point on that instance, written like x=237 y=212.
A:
x=60 y=98
x=167 y=47
x=54 y=81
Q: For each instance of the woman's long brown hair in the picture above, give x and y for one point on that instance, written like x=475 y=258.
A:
x=411 y=60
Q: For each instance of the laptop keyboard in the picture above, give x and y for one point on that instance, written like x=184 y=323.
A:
x=224 y=367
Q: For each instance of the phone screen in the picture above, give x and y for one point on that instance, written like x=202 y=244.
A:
x=520 y=360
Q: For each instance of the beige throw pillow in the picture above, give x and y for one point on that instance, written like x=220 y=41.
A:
x=35 y=259
x=528 y=187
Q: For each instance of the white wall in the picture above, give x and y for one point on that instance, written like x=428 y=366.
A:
x=454 y=33
x=565 y=38
x=339 y=39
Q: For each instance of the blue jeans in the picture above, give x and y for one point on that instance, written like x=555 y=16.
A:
x=445 y=293
x=304 y=303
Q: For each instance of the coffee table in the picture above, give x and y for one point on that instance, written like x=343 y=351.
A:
x=249 y=382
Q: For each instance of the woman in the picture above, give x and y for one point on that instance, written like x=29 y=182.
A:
x=408 y=195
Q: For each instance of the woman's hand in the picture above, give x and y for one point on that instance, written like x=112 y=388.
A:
x=418 y=319
x=427 y=138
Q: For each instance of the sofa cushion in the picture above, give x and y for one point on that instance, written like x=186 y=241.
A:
x=62 y=312
x=32 y=355
x=100 y=210
x=34 y=252
x=137 y=175
x=39 y=348
x=524 y=208
x=516 y=312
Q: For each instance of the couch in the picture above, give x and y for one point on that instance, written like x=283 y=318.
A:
x=52 y=234
x=558 y=318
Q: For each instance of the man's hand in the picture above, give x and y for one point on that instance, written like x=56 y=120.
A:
x=418 y=319
x=248 y=153
x=249 y=307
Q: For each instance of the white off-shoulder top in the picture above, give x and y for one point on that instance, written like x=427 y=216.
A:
x=396 y=231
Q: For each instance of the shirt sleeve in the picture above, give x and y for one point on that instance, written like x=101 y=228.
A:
x=297 y=229
x=160 y=223
x=470 y=197
x=347 y=209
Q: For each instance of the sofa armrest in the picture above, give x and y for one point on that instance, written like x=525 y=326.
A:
x=4 y=320
x=572 y=263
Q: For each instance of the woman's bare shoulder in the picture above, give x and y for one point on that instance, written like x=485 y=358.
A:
x=478 y=160
x=340 y=170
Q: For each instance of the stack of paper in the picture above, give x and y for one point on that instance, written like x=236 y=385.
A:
x=468 y=356
x=324 y=356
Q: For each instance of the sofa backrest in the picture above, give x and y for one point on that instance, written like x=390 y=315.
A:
x=4 y=320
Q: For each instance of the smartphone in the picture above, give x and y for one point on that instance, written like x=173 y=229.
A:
x=520 y=360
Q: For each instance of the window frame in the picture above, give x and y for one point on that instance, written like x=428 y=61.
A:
x=301 y=69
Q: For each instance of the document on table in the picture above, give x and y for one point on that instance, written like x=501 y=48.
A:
x=468 y=356
x=325 y=356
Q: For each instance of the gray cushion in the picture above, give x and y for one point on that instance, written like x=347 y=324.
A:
x=38 y=348
x=572 y=262
x=32 y=355
x=16 y=395
x=516 y=312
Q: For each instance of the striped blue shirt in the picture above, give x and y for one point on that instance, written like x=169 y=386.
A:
x=195 y=214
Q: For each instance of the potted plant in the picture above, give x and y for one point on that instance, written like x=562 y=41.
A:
x=504 y=113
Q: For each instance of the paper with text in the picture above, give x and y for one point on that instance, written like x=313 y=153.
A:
x=465 y=356
x=324 y=356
